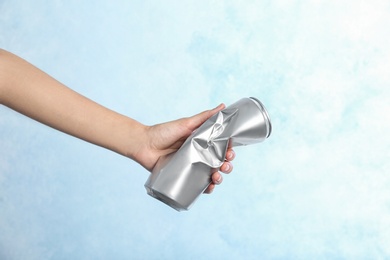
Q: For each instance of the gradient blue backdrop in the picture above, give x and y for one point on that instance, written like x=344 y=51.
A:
x=319 y=188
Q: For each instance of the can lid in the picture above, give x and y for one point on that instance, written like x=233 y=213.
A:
x=265 y=114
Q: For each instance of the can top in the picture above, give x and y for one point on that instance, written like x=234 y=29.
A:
x=265 y=114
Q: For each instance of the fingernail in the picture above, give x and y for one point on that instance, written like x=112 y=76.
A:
x=227 y=167
x=218 y=106
x=230 y=155
x=219 y=180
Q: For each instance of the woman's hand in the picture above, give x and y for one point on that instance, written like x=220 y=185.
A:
x=30 y=91
x=163 y=139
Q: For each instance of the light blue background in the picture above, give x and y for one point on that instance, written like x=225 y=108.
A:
x=319 y=188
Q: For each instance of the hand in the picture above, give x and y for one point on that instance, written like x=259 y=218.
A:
x=163 y=139
x=30 y=91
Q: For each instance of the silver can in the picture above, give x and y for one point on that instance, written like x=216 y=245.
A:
x=180 y=177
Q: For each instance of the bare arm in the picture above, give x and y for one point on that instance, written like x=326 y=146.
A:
x=30 y=91
x=35 y=94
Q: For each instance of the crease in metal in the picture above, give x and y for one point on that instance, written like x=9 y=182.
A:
x=179 y=178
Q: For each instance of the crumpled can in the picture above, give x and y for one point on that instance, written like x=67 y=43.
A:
x=180 y=177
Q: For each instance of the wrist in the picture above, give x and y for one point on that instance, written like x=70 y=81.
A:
x=135 y=141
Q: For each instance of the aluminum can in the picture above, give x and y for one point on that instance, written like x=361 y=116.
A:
x=180 y=177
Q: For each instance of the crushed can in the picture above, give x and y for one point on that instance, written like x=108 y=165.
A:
x=179 y=178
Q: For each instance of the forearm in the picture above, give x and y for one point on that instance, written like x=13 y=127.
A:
x=35 y=94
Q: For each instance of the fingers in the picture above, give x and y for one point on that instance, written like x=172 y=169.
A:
x=230 y=155
x=209 y=189
x=195 y=121
x=216 y=179
x=227 y=167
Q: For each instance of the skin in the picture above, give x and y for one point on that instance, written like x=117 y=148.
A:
x=30 y=91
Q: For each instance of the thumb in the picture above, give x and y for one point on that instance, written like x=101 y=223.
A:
x=196 y=120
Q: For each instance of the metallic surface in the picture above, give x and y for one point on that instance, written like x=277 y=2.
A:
x=179 y=178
